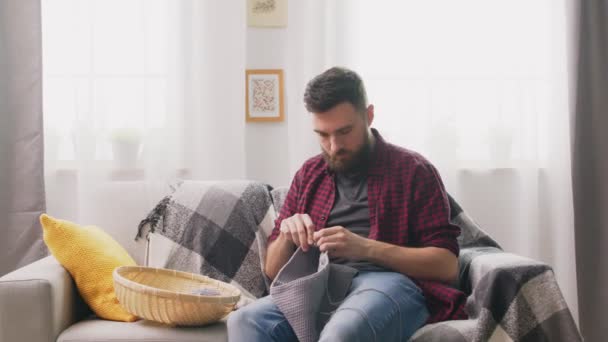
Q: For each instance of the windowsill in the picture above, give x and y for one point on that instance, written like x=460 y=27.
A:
x=488 y=165
x=126 y=175
x=112 y=174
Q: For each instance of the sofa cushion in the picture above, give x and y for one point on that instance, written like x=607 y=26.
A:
x=97 y=330
x=90 y=255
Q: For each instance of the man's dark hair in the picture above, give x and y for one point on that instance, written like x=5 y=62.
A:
x=333 y=87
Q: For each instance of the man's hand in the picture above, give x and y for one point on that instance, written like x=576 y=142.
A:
x=341 y=242
x=298 y=229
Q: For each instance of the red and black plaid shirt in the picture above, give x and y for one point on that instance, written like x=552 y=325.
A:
x=408 y=206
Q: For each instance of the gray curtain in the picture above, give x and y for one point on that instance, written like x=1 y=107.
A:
x=590 y=168
x=22 y=197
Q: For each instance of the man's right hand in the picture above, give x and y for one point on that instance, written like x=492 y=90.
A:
x=298 y=229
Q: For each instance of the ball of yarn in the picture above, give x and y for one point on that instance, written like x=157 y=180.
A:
x=206 y=292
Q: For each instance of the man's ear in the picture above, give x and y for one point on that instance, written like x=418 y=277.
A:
x=370 y=114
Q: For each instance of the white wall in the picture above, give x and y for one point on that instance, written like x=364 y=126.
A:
x=266 y=143
x=275 y=151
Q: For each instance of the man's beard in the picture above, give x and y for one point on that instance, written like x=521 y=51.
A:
x=353 y=161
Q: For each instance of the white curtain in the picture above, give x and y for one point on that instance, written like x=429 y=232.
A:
x=479 y=87
x=138 y=93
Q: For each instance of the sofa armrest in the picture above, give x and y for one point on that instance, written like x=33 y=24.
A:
x=518 y=293
x=37 y=302
x=479 y=262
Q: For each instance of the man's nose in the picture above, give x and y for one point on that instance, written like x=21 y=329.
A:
x=335 y=145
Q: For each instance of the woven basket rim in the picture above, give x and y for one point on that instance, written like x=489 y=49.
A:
x=182 y=296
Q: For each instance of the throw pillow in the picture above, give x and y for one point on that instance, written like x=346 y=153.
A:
x=90 y=255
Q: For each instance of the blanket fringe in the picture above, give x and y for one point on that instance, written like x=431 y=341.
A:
x=152 y=219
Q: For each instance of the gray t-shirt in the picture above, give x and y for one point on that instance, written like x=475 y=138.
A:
x=351 y=211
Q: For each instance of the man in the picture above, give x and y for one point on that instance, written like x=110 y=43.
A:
x=371 y=205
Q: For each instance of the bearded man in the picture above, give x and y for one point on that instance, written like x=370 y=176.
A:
x=377 y=207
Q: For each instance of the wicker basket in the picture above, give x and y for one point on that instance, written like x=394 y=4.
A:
x=166 y=296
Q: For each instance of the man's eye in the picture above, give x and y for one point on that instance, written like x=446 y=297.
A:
x=346 y=131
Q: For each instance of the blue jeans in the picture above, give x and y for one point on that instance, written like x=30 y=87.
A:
x=380 y=306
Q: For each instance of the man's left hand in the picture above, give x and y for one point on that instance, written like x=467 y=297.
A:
x=341 y=242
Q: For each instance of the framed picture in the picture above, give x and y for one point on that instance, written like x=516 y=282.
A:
x=264 y=95
x=267 y=13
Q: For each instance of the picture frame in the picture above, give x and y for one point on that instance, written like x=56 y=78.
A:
x=264 y=99
x=267 y=13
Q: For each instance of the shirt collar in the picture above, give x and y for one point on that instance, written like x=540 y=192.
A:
x=379 y=155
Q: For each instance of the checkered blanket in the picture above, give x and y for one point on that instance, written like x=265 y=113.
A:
x=511 y=298
x=218 y=229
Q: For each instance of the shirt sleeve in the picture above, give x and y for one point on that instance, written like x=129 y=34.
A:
x=429 y=214
x=289 y=205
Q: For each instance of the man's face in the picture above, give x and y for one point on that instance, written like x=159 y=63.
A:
x=344 y=136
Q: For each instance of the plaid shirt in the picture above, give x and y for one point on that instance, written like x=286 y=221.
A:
x=408 y=206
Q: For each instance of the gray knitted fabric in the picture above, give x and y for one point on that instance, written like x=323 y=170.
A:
x=308 y=289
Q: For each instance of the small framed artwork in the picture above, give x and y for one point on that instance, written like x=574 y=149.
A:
x=264 y=95
x=267 y=13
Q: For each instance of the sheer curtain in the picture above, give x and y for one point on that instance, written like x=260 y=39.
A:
x=481 y=89
x=138 y=93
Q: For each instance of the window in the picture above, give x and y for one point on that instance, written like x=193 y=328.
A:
x=107 y=66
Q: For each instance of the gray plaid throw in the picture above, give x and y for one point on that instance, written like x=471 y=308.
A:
x=218 y=229
x=511 y=298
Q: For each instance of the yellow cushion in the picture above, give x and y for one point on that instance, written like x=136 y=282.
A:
x=90 y=255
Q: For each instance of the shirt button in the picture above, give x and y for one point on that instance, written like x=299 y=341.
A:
x=322 y=217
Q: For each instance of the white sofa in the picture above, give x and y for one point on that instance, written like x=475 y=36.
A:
x=40 y=302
